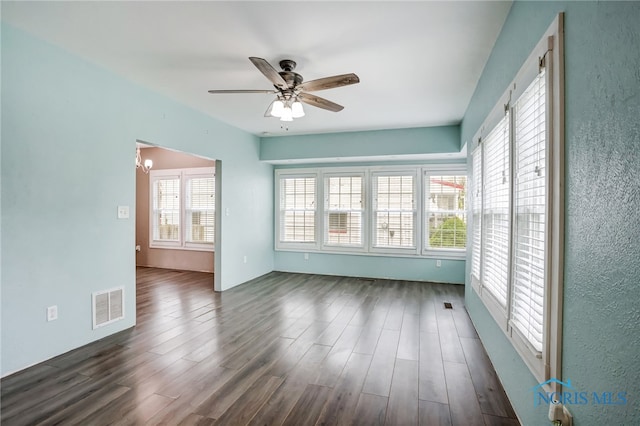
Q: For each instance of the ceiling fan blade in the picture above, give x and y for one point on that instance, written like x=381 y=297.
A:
x=241 y=91
x=329 y=82
x=319 y=102
x=269 y=72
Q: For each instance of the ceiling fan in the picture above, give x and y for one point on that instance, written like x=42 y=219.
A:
x=290 y=90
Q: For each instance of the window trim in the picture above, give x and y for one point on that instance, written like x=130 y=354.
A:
x=325 y=246
x=182 y=175
x=320 y=173
x=415 y=250
x=297 y=245
x=548 y=362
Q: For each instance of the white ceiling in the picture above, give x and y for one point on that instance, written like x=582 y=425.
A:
x=418 y=62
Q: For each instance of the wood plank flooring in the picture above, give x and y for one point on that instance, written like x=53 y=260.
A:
x=284 y=348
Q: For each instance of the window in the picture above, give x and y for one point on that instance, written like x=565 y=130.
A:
x=476 y=211
x=495 y=212
x=298 y=209
x=516 y=266
x=344 y=210
x=166 y=209
x=200 y=209
x=394 y=210
x=182 y=208
x=445 y=213
x=373 y=210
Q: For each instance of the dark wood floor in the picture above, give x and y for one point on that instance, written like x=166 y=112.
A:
x=282 y=349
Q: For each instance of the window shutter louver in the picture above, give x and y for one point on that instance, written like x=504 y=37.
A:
x=495 y=220
x=166 y=209
x=298 y=209
x=527 y=312
x=343 y=210
x=182 y=210
x=394 y=211
x=200 y=210
x=476 y=200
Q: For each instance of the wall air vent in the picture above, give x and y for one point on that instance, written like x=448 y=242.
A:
x=108 y=306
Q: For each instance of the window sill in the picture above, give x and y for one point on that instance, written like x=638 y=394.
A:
x=167 y=247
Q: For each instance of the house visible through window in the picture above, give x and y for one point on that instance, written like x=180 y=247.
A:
x=182 y=208
x=445 y=211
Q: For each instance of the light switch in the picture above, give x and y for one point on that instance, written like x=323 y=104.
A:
x=123 y=212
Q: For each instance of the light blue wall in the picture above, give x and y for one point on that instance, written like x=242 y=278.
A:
x=601 y=347
x=380 y=144
x=395 y=268
x=68 y=141
x=383 y=143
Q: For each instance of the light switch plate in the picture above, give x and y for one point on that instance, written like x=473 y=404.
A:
x=52 y=313
x=123 y=212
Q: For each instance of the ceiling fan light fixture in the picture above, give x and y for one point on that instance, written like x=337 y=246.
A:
x=277 y=108
x=296 y=109
x=287 y=114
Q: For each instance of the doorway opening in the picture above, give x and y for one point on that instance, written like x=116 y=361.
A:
x=177 y=225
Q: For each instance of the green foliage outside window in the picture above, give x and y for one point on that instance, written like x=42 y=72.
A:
x=452 y=233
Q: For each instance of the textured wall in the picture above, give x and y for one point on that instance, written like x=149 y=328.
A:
x=601 y=348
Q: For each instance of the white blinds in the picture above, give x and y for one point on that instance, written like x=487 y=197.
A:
x=343 y=210
x=476 y=206
x=298 y=209
x=394 y=211
x=530 y=194
x=495 y=220
x=166 y=209
x=200 y=210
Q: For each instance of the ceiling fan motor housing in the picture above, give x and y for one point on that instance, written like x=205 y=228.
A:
x=291 y=78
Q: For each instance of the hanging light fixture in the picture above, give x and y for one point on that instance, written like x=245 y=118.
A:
x=146 y=166
x=296 y=109
x=285 y=108
x=287 y=113
x=276 y=108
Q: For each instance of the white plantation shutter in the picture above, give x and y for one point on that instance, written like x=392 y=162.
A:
x=298 y=209
x=476 y=209
x=182 y=215
x=343 y=210
x=527 y=311
x=394 y=211
x=200 y=209
x=496 y=214
x=166 y=209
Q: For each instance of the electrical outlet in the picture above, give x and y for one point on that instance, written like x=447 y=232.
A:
x=438 y=263
x=52 y=313
x=306 y=256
